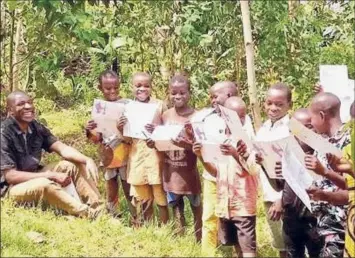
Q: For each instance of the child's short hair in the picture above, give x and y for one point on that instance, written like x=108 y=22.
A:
x=282 y=86
x=107 y=74
x=142 y=74
x=180 y=79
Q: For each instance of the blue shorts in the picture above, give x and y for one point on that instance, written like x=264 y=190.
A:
x=195 y=199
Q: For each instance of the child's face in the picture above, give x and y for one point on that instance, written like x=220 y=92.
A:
x=110 y=88
x=179 y=94
x=276 y=104
x=306 y=120
x=218 y=97
x=318 y=120
x=142 y=88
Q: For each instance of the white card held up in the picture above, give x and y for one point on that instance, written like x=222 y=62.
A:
x=200 y=115
x=296 y=176
x=235 y=126
x=312 y=139
x=106 y=115
x=211 y=152
x=271 y=152
x=346 y=101
x=163 y=136
x=334 y=79
x=138 y=116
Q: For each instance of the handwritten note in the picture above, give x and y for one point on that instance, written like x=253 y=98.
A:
x=139 y=115
x=312 y=139
x=296 y=176
x=163 y=136
x=235 y=126
x=106 y=115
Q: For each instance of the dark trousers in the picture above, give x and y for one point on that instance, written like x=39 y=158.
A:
x=300 y=232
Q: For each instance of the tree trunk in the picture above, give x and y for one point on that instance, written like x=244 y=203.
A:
x=16 y=65
x=292 y=5
x=11 y=51
x=249 y=52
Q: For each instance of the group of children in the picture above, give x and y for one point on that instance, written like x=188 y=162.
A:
x=224 y=204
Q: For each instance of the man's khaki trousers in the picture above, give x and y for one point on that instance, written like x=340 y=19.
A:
x=43 y=189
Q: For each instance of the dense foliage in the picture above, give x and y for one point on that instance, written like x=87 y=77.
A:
x=58 y=48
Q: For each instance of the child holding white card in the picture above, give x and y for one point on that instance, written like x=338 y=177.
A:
x=237 y=188
x=329 y=199
x=144 y=163
x=109 y=85
x=180 y=174
x=277 y=104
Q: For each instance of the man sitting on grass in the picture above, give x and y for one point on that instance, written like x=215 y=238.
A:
x=24 y=180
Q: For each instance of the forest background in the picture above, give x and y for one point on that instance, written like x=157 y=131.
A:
x=56 y=49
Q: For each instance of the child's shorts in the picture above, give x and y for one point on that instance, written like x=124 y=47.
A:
x=110 y=173
x=172 y=198
x=144 y=193
x=238 y=231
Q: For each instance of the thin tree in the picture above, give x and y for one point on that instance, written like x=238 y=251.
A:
x=249 y=52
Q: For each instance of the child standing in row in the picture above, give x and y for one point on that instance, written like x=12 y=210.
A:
x=236 y=190
x=109 y=85
x=219 y=93
x=180 y=174
x=144 y=164
x=277 y=104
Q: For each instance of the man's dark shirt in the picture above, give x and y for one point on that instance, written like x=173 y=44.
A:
x=22 y=151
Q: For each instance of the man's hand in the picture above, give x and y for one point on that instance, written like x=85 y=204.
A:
x=150 y=128
x=339 y=164
x=121 y=123
x=91 y=170
x=91 y=125
x=60 y=178
x=312 y=163
x=318 y=88
x=150 y=143
x=275 y=212
x=315 y=193
x=196 y=148
x=278 y=169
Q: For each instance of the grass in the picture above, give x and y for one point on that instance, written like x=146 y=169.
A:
x=104 y=237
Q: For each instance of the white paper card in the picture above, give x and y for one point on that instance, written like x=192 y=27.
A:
x=312 y=139
x=163 y=134
x=199 y=116
x=70 y=189
x=211 y=152
x=106 y=115
x=296 y=176
x=346 y=101
x=138 y=116
x=235 y=126
x=334 y=78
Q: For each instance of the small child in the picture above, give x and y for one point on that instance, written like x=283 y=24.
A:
x=109 y=85
x=180 y=173
x=144 y=163
x=236 y=190
x=299 y=225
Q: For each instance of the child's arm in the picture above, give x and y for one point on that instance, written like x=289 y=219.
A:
x=90 y=132
x=209 y=167
x=340 y=197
